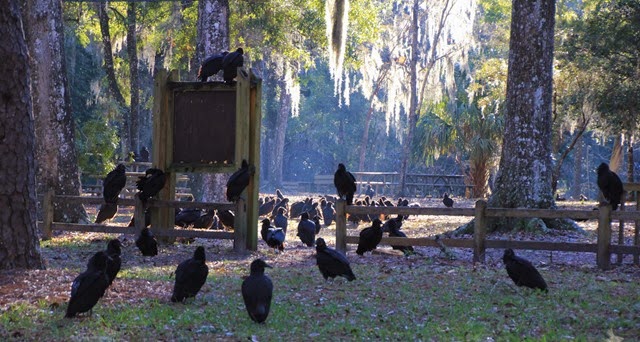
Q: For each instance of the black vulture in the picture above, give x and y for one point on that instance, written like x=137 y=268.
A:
x=106 y=212
x=328 y=213
x=227 y=218
x=187 y=217
x=147 y=243
x=238 y=181
x=370 y=237
x=281 y=203
x=89 y=286
x=114 y=249
x=191 y=274
x=151 y=183
x=274 y=237
x=279 y=194
x=394 y=230
x=211 y=66
x=306 y=230
x=370 y=192
x=345 y=183
x=281 y=221
x=316 y=221
x=113 y=183
x=266 y=208
x=144 y=155
x=147 y=219
x=257 y=291
x=522 y=272
x=331 y=262
x=397 y=221
x=447 y=201
x=230 y=64
x=610 y=185
x=206 y=220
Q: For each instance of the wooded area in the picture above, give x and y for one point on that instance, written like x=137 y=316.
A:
x=418 y=87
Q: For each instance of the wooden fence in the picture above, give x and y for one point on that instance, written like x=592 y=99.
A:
x=239 y=235
x=603 y=248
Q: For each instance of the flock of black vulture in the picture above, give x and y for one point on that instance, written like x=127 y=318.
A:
x=257 y=288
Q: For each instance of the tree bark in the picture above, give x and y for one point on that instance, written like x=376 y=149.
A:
x=114 y=90
x=524 y=178
x=617 y=152
x=212 y=37
x=19 y=245
x=413 y=101
x=57 y=162
x=280 y=129
x=132 y=51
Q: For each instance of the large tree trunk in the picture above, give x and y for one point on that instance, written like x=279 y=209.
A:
x=114 y=90
x=280 y=129
x=19 y=245
x=134 y=127
x=524 y=179
x=212 y=37
x=57 y=162
x=413 y=101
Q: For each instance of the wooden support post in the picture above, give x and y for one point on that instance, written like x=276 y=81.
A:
x=163 y=218
x=138 y=214
x=240 y=227
x=255 y=123
x=47 y=214
x=603 y=256
x=341 y=226
x=479 y=231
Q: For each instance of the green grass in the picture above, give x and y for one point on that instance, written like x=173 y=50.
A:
x=393 y=299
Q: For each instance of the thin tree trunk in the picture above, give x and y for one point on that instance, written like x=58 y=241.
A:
x=134 y=139
x=114 y=90
x=19 y=247
x=617 y=152
x=630 y=162
x=413 y=101
x=524 y=178
x=367 y=121
x=576 y=188
x=212 y=37
x=57 y=162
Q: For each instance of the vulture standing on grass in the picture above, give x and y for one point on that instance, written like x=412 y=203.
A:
x=281 y=221
x=274 y=237
x=610 y=185
x=306 y=230
x=191 y=274
x=227 y=218
x=447 y=201
x=151 y=183
x=113 y=183
x=114 y=249
x=89 y=286
x=211 y=66
x=394 y=230
x=238 y=181
x=370 y=237
x=345 y=183
x=147 y=243
x=522 y=272
x=206 y=220
x=331 y=262
x=187 y=217
x=257 y=291
x=230 y=64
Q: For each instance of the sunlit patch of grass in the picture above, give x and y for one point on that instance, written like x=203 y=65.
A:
x=148 y=273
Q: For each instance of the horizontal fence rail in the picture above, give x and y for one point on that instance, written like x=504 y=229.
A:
x=48 y=225
x=479 y=243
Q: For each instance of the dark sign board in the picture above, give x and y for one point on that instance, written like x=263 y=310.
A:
x=204 y=128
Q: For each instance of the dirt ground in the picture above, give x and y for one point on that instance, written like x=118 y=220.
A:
x=65 y=256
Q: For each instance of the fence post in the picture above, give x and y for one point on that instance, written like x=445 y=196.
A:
x=479 y=231
x=620 y=256
x=47 y=214
x=240 y=227
x=341 y=226
x=139 y=214
x=603 y=257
